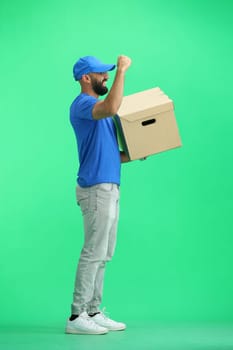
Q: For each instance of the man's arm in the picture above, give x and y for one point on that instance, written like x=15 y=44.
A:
x=110 y=105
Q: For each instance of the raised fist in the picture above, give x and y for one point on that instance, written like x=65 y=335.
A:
x=123 y=63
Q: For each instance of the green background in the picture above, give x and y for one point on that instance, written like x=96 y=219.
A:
x=174 y=258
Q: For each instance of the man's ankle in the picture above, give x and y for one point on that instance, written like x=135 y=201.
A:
x=73 y=317
x=94 y=313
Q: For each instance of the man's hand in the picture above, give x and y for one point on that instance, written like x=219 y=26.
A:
x=123 y=63
x=124 y=157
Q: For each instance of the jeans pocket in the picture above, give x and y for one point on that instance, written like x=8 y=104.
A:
x=82 y=198
x=84 y=205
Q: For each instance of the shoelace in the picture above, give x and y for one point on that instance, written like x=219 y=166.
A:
x=89 y=321
x=106 y=316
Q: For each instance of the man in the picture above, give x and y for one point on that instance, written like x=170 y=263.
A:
x=97 y=188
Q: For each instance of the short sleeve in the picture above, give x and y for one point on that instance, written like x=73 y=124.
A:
x=85 y=107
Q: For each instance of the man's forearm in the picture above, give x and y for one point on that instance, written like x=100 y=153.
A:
x=110 y=105
x=115 y=96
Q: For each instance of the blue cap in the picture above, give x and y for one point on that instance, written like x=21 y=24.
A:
x=90 y=64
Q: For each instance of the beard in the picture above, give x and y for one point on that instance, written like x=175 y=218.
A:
x=98 y=87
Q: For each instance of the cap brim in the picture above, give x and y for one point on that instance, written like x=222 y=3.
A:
x=105 y=68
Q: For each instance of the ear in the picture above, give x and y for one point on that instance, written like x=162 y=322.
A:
x=86 y=78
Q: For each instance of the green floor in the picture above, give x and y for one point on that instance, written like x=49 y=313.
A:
x=137 y=336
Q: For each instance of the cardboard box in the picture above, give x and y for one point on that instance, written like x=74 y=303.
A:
x=146 y=124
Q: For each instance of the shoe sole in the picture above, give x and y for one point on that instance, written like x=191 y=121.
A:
x=119 y=328
x=116 y=329
x=71 y=331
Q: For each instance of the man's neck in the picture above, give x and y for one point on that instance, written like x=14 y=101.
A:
x=89 y=92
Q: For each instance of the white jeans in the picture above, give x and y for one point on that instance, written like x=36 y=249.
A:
x=100 y=209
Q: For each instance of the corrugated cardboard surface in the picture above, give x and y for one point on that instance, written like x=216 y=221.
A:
x=147 y=124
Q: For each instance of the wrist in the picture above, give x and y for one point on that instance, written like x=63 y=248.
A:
x=120 y=70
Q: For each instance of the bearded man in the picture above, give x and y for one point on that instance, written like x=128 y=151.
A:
x=97 y=191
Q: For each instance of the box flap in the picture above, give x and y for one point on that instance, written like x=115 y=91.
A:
x=144 y=104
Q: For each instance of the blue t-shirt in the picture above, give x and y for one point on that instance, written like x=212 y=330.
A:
x=99 y=156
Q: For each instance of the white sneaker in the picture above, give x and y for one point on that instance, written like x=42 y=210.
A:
x=102 y=320
x=84 y=325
